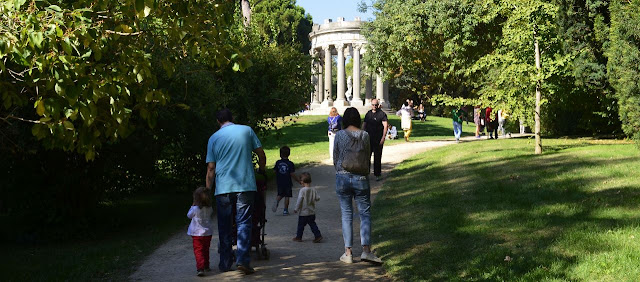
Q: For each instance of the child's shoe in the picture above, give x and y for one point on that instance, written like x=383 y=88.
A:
x=200 y=273
x=297 y=239
x=285 y=212
x=317 y=240
x=370 y=257
x=346 y=258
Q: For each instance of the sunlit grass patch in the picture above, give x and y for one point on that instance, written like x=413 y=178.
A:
x=495 y=211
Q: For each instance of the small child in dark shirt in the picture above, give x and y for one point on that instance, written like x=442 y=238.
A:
x=285 y=170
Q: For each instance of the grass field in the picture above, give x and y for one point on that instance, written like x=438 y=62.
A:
x=309 y=142
x=493 y=211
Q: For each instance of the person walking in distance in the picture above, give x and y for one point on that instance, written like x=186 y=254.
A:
x=230 y=166
x=335 y=124
x=456 y=115
x=376 y=124
x=477 y=119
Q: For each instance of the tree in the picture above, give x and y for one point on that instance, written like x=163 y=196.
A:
x=283 y=22
x=517 y=67
x=84 y=69
x=432 y=44
x=624 y=63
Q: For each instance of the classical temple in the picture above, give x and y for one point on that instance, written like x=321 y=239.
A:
x=342 y=39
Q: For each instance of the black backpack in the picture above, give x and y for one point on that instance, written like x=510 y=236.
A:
x=356 y=158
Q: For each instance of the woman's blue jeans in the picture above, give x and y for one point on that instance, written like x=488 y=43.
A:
x=349 y=187
x=244 y=203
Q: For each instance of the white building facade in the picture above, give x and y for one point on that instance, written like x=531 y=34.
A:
x=342 y=39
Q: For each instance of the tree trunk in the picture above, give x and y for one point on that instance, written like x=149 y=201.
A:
x=538 y=96
x=246 y=11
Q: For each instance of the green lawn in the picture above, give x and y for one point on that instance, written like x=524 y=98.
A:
x=493 y=211
x=309 y=143
x=136 y=228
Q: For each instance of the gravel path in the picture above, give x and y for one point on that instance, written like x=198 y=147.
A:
x=174 y=260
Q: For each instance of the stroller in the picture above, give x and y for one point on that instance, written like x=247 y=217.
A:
x=258 y=220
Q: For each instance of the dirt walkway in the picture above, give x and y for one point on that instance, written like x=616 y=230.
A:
x=290 y=260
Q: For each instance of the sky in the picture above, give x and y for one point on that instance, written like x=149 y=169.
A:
x=332 y=9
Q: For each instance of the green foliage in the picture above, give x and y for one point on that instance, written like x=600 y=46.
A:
x=84 y=67
x=158 y=83
x=429 y=41
x=624 y=63
x=283 y=22
x=509 y=73
x=458 y=52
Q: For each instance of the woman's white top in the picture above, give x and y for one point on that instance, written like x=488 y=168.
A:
x=201 y=221
x=406 y=112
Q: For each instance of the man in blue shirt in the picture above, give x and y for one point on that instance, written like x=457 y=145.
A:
x=229 y=164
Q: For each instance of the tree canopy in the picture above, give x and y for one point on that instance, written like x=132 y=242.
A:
x=458 y=52
x=84 y=67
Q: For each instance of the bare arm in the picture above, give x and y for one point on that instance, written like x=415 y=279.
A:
x=384 y=131
x=262 y=158
x=211 y=175
x=295 y=177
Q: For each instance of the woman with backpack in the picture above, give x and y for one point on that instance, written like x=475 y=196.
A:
x=352 y=161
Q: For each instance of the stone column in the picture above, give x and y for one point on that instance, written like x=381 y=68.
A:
x=328 y=101
x=380 y=91
x=321 y=95
x=379 y=87
x=368 y=91
x=341 y=101
x=356 y=101
x=385 y=95
x=315 y=78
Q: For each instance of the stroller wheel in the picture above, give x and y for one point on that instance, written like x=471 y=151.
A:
x=265 y=252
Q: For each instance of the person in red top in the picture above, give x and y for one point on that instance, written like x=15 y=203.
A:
x=488 y=123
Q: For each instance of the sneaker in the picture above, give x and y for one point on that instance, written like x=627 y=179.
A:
x=317 y=240
x=370 y=257
x=346 y=258
x=274 y=208
x=245 y=269
x=286 y=212
x=200 y=273
x=297 y=239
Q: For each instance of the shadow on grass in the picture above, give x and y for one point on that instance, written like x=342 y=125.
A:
x=479 y=219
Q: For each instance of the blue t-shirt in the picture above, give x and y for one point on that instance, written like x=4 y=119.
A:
x=283 y=169
x=231 y=149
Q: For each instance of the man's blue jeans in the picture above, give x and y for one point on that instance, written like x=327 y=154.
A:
x=457 y=130
x=244 y=208
x=348 y=187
